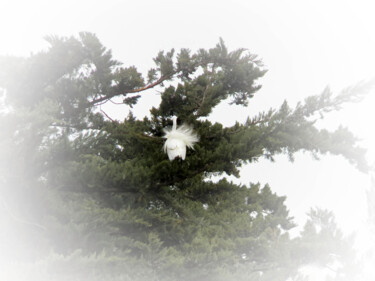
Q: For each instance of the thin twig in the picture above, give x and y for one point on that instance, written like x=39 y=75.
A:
x=14 y=217
x=106 y=114
x=119 y=103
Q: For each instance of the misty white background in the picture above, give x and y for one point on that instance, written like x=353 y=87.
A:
x=305 y=45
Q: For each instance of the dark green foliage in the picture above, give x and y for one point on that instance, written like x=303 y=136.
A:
x=103 y=196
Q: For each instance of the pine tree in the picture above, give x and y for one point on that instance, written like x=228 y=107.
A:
x=103 y=197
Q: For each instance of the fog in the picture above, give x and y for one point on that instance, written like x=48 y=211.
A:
x=304 y=46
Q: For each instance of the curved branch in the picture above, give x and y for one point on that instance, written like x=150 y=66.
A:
x=149 y=86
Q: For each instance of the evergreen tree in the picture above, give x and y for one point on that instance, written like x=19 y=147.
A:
x=91 y=198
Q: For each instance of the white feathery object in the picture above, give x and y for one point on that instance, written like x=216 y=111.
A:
x=178 y=139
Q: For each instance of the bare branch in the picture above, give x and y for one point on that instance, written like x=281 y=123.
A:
x=101 y=110
x=119 y=103
x=104 y=99
x=17 y=219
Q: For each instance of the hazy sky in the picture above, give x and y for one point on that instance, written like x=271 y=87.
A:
x=306 y=45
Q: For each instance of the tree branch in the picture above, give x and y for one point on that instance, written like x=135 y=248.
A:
x=206 y=89
x=203 y=99
x=19 y=220
x=106 y=98
x=106 y=115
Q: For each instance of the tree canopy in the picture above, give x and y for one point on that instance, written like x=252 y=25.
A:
x=91 y=198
